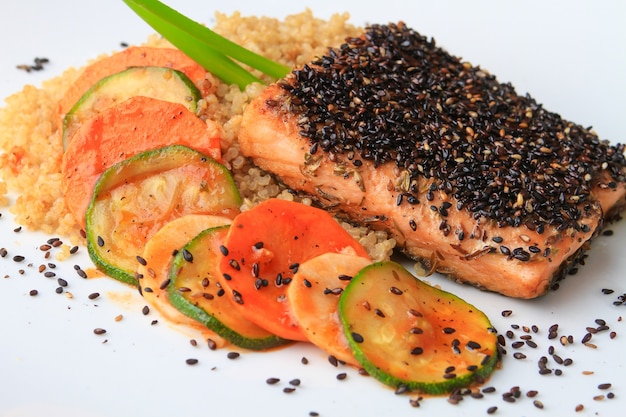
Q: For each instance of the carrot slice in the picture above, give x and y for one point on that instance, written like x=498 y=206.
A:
x=263 y=249
x=135 y=56
x=158 y=255
x=133 y=126
x=314 y=299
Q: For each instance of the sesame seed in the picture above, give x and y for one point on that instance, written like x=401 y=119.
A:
x=395 y=290
x=417 y=102
x=333 y=360
x=417 y=351
x=187 y=256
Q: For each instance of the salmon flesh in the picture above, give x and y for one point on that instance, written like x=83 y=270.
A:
x=470 y=178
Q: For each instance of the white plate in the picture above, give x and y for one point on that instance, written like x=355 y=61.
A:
x=569 y=54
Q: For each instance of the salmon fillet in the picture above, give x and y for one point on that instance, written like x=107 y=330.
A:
x=471 y=179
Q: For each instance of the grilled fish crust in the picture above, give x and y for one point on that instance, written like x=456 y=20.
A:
x=471 y=179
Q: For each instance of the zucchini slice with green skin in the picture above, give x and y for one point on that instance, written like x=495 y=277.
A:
x=161 y=83
x=134 y=198
x=407 y=334
x=195 y=291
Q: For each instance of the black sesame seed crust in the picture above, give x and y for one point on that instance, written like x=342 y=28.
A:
x=393 y=95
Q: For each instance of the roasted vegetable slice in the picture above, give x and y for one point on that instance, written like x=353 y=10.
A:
x=262 y=251
x=406 y=333
x=195 y=291
x=156 y=82
x=153 y=272
x=314 y=296
x=133 y=126
x=136 y=197
x=133 y=56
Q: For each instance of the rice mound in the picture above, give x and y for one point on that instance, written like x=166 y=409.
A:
x=30 y=143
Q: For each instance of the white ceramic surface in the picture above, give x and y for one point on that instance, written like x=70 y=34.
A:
x=570 y=55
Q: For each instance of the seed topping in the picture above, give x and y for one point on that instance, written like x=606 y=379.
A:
x=392 y=95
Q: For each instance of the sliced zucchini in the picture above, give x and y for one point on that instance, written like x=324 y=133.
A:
x=134 y=198
x=162 y=83
x=408 y=334
x=195 y=291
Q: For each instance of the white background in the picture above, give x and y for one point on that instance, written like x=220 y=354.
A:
x=570 y=55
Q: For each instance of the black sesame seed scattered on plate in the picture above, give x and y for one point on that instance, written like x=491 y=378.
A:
x=333 y=360
x=37 y=65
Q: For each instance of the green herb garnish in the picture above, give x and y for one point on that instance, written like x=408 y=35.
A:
x=215 y=53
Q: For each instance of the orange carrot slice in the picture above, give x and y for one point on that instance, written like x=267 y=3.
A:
x=314 y=298
x=135 y=56
x=263 y=249
x=133 y=126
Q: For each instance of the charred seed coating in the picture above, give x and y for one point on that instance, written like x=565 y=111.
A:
x=392 y=95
